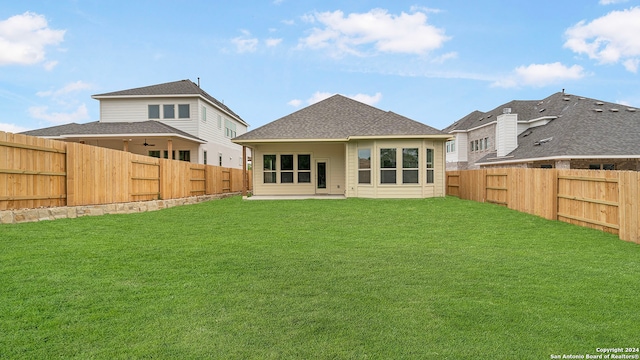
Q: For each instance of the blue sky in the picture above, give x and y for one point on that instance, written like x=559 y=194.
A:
x=432 y=61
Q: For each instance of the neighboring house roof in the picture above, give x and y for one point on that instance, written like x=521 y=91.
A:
x=97 y=129
x=171 y=89
x=338 y=118
x=577 y=127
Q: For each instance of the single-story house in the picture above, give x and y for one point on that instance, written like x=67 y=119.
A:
x=340 y=146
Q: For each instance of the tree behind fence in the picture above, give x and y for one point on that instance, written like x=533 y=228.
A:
x=603 y=200
x=37 y=172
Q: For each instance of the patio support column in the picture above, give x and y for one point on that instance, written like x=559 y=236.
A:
x=244 y=170
x=169 y=149
x=125 y=146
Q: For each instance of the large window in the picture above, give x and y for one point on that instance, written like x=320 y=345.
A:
x=387 y=166
x=430 y=168
x=451 y=146
x=364 y=166
x=304 y=168
x=286 y=169
x=169 y=111
x=184 y=111
x=410 y=166
x=154 y=111
x=269 y=169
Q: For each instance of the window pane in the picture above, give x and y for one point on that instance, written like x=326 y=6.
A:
x=184 y=155
x=169 y=111
x=429 y=176
x=269 y=178
x=304 y=177
x=286 y=177
x=364 y=159
x=429 y=158
x=183 y=111
x=286 y=163
x=154 y=153
x=154 y=111
x=269 y=162
x=410 y=158
x=304 y=162
x=388 y=158
x=387 y=176
x=409 y=176
x=364 y=177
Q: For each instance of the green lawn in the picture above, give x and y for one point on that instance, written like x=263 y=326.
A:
x=316 y=279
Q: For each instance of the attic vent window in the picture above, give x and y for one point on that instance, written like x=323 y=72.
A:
x=506 y=111
x=566 y=99
x=542 y=110
x=599 y=103
x=631 y=109
x=481 y=119
x=540 y=142
x=527 y=133
x=614 y=110
x=597 y=110
x=490 y=115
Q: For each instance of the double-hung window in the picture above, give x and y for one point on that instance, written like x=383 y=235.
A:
x=286 y=169
x=410 y=166
x=387 y=166
x=364 y=166
x=430 y=168
x=304 y=168
x=269 y=168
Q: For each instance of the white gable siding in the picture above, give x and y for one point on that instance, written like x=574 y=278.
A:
x=506 y=134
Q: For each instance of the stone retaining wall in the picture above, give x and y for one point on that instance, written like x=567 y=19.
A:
x=70 y=212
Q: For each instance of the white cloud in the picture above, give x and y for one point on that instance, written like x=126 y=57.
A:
x=609 y=39
x=443 y=58
x=539 y=75
x=273 y=42
x=42 y=113
x=609 y=2
x=23 y=39
x=319 y=96
x=12 y=128
x=631 y=65
x=69 y=88
x=245 y=43
x=356 y=33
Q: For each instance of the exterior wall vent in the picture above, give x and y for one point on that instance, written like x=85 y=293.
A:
x=506 y=111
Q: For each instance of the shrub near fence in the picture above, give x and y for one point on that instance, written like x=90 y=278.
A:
x=36 y=172
x=603 y=200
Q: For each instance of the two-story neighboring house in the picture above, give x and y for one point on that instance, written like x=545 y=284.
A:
x=560 y=131
x=175 y=120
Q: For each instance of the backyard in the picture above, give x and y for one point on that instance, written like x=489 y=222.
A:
x=316 y=279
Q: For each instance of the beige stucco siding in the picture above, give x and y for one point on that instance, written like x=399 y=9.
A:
x=332 y=153
x=399 y=190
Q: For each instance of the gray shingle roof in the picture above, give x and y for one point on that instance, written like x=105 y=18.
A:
x=114 y=128
x=338 y=118
x=582 y=127
x=181 y=87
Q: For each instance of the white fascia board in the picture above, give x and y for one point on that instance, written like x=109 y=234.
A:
x=537 y=119
x=273 y=141
x=152 y=135
x=391 y=137
x=483 y=125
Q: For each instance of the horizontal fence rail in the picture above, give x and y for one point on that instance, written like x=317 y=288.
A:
x=37 y=172
x=603 y=200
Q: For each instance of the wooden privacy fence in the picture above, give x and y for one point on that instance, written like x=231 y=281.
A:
x=603 y=200
x=36 y=172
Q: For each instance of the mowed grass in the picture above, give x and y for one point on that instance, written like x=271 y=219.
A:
x=316 y=279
